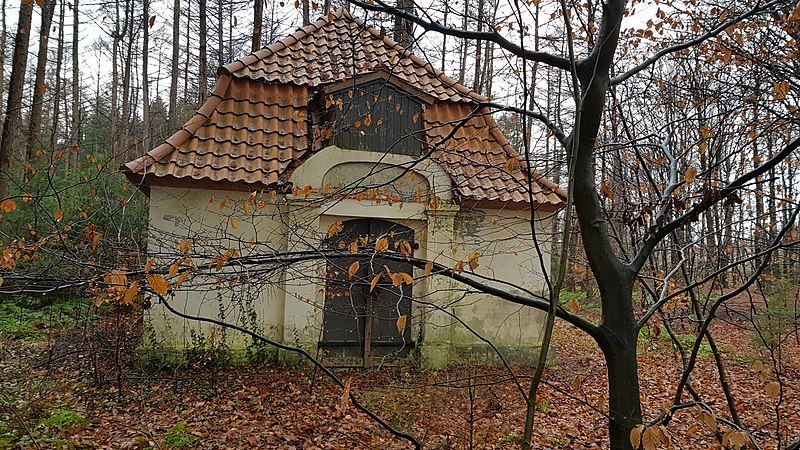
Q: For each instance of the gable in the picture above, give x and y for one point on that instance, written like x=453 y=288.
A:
x=373 y=116
x=339 y=47
x=264 y=119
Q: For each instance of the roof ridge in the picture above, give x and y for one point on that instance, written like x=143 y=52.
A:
x=374 y=34
x=273 y=47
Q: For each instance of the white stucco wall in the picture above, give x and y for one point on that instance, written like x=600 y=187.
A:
x=205 y=218
x=288 y=304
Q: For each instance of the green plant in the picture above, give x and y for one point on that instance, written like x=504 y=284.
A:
x=176 y=437
x=780 y=316
x=66 y=420
x=24 y=317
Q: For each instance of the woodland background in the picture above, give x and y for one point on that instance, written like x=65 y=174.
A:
x=87 y=86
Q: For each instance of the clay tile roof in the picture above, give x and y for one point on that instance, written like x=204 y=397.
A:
x=484 y=167
x=252 y=130
x=336 y=48
x=246 y=135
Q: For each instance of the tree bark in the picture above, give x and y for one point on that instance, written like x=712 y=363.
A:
x=3 y=31
x=614 y=279
x=75 y=129
x=39 y=88
x=220 y=35
x=476 y=79
x=173 y=75
x=115 y=75
x=15 y=87
x=258 y=22
x=619 y=350
x=56 y=103
x=188 y=40
x=145 y=73
x=203 y=37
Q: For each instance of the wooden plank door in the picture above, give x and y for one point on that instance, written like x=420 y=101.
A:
x=358 y=321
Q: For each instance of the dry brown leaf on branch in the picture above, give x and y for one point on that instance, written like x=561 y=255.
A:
x=605 y=189
x=636 y=436
x=401 y=323
x=374 y=282
x=690 y=175
x=428 y=268
x=382 y=244
x=353 y=269
x=131 y=293
x=158 y=284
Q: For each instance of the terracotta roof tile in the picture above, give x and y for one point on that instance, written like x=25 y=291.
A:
x=252 y=131
x=247 y=133
x=482 y=164
x=336 y=47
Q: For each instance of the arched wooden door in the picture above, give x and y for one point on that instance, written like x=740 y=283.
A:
x=360 y=321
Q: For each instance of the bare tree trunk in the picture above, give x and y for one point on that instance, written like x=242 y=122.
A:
x=203 y=86
x=145 y=81
x=258 y=22
x=15 y=88
x=306 y=13
x=403 y=29
x=173 y=75
x=58 y=89
x=3 y=32
x=446 y=8
x=128 y=64
x=476 y=80
x=188 y=52
x=115 y=75
x=220 y=35
x=463 y=50
x=39 y=88
x=75 y=129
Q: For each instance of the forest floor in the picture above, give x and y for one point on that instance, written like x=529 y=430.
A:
x=54 y=393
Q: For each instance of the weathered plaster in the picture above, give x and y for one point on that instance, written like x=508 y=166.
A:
x=289 y=306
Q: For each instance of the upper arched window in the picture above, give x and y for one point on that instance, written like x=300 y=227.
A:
x=373 y=115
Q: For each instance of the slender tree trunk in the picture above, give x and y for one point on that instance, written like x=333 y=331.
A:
x=3 y=31
x=39 y=88
x=188 y=52
x=614 y=278
x=128 y=64
x=220 y=35
x=463 y=50
x=15 y=89
x=145 y=72
x=127 y=96
x=476 y=80
x=306 y=13
x=258 y=22
x=173 y=80
x=56 y=103
x=202 y=38
x=446 y=8
x=115 y=76
x=75 y=129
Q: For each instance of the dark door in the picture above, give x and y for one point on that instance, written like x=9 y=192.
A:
x=360 y=321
